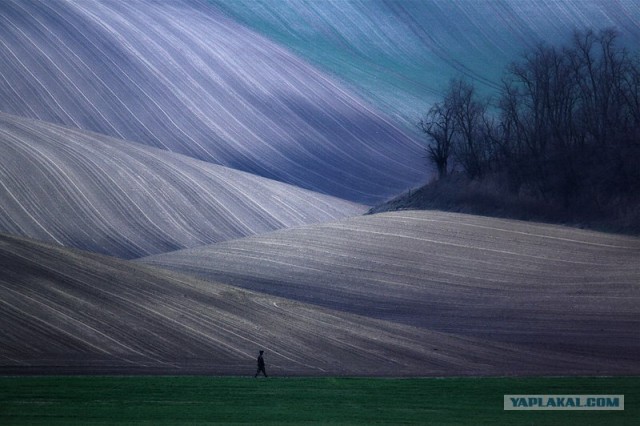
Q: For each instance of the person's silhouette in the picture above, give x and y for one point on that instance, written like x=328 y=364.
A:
x=261 y=365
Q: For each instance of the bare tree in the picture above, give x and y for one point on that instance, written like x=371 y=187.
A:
x=458 y=127
x=538 y=104
x=439 y=127
x=566 y=128
x=570 y=117
x=470 y=147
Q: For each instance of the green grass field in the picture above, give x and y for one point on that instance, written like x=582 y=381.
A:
x=229 y=400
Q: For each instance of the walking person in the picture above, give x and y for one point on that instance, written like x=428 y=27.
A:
x=261 y=365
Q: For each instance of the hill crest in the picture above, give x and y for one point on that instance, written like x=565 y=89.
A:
x=89 y=191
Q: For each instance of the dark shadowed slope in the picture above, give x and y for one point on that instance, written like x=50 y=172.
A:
x=180 y=76
x=89 y=191
x=538 y=285
x=66 y=311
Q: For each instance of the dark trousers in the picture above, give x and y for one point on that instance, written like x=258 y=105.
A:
x=261 y=368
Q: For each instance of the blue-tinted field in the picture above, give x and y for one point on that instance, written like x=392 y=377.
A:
x=400 y=54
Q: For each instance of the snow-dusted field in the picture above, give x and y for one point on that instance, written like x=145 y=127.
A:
x=89 y=191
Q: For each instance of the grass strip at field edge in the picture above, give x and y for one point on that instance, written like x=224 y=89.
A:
x=172 y=400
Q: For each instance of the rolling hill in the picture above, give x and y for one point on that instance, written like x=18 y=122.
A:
x=65 y=311
x=89 y=191
x=230 y=148
x=401 y=54
x=182 y=76
x=539 y=286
